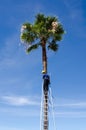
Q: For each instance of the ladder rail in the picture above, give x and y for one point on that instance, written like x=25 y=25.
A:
x=52 y=105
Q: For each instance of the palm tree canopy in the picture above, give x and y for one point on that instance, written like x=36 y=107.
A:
x=45 y=28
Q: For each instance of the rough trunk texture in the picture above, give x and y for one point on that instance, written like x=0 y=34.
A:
x=44 y=57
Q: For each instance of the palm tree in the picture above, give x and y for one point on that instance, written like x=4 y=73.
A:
x=45 y=32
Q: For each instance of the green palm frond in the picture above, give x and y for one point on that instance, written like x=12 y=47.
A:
x=28 y=37
x=59 y=29
x=40 y=18
x=42 y=29
x=32 y=47
x=53 y=45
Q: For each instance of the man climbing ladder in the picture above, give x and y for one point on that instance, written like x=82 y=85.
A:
x=46 y=82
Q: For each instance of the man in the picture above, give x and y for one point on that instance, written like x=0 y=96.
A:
x=46 y=83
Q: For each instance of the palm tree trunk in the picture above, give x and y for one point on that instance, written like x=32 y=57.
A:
x=44 y=57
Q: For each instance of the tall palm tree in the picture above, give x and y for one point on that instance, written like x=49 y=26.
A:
x=45 y=32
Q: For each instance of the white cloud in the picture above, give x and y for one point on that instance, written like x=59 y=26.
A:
x=9 y=128
x=69 y=103
x=65 y=111
x=70 y=108
x=18 y=101
x=71 y=114
x=75 y=105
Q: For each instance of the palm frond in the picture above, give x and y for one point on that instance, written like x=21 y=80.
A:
x=60 y=29
x=53 y=46
x=42 y=29
x=32 y=47
x=39 y=18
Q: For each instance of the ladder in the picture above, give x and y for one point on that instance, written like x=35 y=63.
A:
x=44 y=119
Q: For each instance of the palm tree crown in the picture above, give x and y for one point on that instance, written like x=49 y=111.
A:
x=44 y=32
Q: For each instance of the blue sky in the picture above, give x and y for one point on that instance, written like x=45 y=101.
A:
x=20 y=74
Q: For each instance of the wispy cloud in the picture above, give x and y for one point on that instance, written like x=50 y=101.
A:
x=73 y=110
x=18 y=101
x=9 y=128
x=19 y=106
x=71 y=114
x=70 y=108
x=73 y=105
x=24 y=100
